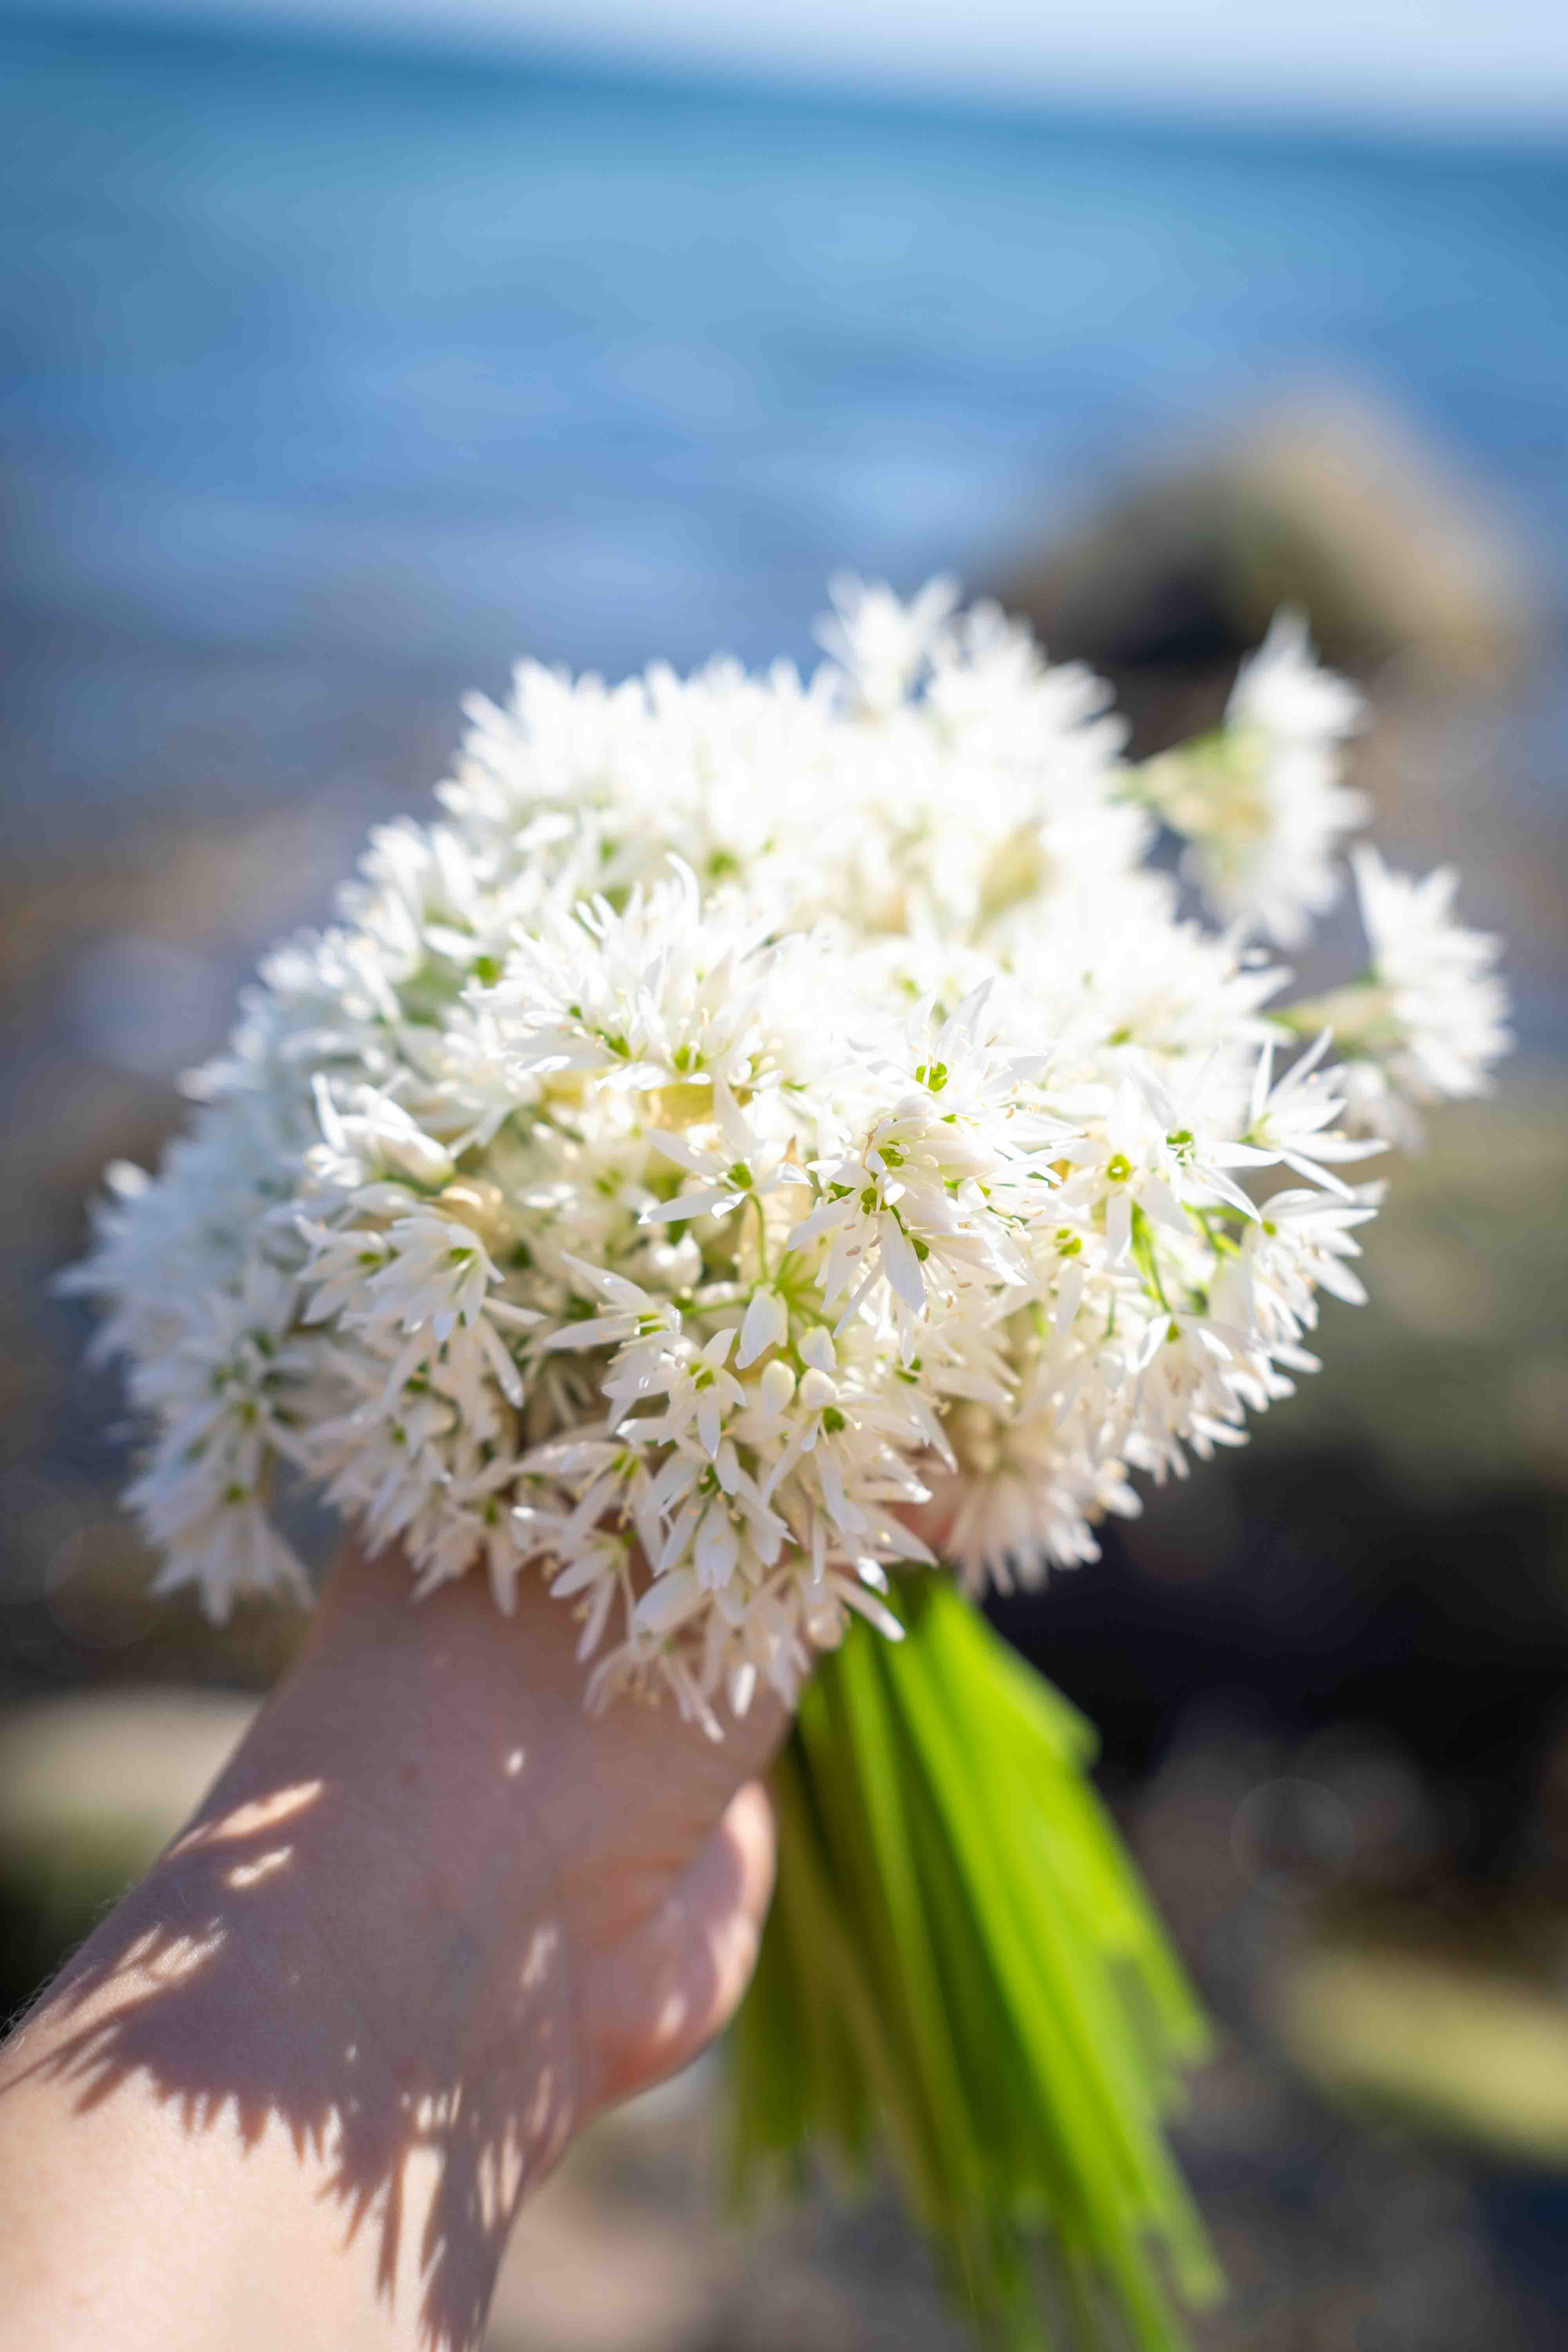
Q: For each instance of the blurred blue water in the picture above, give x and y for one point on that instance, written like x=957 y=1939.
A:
x=314 y=359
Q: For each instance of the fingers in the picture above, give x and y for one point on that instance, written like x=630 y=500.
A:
x=729 y=1889
x=649 y=2007
x=722 y=1902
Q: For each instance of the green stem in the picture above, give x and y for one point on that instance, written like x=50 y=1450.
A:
x=961 y=1954
x=762 y=1235
x=1144 y=1251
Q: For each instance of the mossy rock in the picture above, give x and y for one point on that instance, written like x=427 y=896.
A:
x=1464 y=2045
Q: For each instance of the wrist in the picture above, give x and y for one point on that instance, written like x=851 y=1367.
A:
x=347 y=1982
x=430 y=1918
x=383 y=1820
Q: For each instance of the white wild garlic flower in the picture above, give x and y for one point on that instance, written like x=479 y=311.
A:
x=1260 y=803
x=756 y=1103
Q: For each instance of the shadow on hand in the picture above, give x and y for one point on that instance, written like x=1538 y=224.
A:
x=220 y=1985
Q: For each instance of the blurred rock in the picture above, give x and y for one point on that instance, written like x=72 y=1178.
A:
x=1455 y=1375
x=1465 y=2040
x=1334 y=501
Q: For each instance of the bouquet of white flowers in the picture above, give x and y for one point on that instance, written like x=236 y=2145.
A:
x=754 y=1109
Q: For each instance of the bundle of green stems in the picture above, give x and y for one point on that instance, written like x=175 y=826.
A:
x=961 y=1969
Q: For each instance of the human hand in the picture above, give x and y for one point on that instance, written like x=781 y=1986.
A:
x=429 y=1921
x=432 y=1918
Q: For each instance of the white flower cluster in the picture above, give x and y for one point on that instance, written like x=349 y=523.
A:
x=753 y=1101
x=1260 y=803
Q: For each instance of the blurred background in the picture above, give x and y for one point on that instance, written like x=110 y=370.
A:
x=349 y=350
